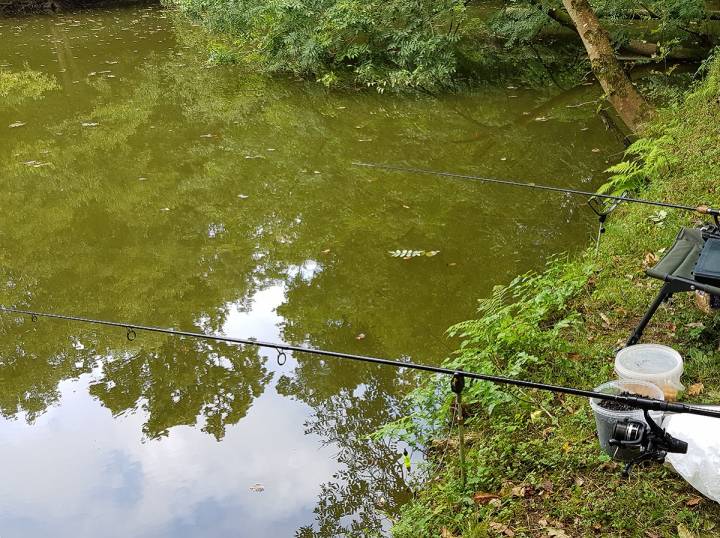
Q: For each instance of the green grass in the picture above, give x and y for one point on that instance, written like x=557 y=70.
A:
x=537 y=451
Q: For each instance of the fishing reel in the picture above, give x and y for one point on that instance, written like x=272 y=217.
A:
x=650 y=441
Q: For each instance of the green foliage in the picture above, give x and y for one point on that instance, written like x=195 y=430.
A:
x=547 y=444
x=382 y=43
x=519 y=26
x=220 y=54
x=429 y=44
x=649 y=158
x=516 y=326
x=17 y=87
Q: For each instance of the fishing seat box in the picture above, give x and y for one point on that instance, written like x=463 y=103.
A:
x=707 y=268
x=691 y=264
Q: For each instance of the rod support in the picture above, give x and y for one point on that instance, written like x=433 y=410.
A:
x=457 y=383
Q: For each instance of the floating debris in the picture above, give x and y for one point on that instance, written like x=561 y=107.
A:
x=406 y=254
x=89 y=124
x=17 y=124
x=36 y=164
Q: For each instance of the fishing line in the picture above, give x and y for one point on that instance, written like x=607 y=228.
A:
x=638 y=402
x=702 y=209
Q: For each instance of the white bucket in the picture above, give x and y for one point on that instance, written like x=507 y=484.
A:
x=605 y=419
x=657 y=364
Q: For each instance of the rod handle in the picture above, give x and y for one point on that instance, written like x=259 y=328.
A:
x=707 y=210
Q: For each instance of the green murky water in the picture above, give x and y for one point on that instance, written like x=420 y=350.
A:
x=154 y=188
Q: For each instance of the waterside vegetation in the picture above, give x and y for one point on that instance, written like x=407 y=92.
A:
x=534 y=467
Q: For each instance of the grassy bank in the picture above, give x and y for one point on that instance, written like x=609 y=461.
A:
x=534 y=466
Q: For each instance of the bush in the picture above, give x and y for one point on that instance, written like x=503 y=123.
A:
x=381 y=42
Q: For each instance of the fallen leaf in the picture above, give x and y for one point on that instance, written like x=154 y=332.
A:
x=650 y=259
x=360 y=336
x=605 y=319
x=659 y=217
x=557 y=533
x=579 y=481
x=484 y=498
x=326 y=251
x=501 y=529
x=445 y=533
x=683 y=532
x=693 y=501
x=543 y=522
x=695 y=389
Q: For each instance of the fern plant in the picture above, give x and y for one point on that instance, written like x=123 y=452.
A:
x=646 y=159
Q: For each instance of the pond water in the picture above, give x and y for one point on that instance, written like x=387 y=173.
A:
x=155 y=188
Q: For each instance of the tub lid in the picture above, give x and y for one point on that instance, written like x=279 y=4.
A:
x=648 y=359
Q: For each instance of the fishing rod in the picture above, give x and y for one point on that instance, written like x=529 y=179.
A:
x=701 y=209
x=638 y=402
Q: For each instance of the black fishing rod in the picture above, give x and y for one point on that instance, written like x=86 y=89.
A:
x=702 y=209
x=458 y=376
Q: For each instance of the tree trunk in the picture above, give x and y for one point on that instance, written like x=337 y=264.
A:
x=629 y=104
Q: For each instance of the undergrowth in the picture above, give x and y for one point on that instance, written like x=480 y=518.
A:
x=534 y=467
